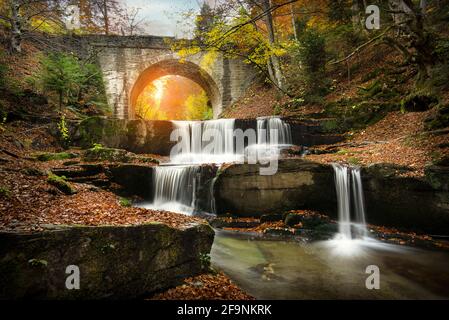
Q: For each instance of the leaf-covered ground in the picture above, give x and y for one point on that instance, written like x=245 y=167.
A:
x=397 y=139
x=204 y=287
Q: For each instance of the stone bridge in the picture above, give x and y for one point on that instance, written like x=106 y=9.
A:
x=129 y=63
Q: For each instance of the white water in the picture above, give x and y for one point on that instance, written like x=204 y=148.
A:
x=206 y=142
x=174 y=189
x=213 y=141
x=348 y=184
x=273 y=131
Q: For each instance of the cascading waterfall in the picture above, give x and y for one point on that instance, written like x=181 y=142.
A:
x=175 y=184
x=277 y=132
x=348 y=184
x=207 y=142
x=174 y=188
x=273 y=134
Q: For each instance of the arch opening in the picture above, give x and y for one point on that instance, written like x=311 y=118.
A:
x=159 y=78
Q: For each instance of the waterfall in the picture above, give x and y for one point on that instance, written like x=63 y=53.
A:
x=348 y=185
x=175 y=188
x=176 y=184
x=282 y=131
x=208 y=142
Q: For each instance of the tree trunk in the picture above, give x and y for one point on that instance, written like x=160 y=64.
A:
x=106 y=17
x=275 y=62
x=16 y=27
x=292 y=12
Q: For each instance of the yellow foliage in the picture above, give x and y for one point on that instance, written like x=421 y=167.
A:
x=197 y=107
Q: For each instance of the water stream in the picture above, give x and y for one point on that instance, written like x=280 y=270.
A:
x=276 y=269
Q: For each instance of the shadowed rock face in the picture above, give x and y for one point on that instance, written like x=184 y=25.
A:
x=391 y=199
x=114 y=261
x=153 y=136
x=241 y=190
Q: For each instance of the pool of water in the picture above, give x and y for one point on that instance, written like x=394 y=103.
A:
x=277 y=269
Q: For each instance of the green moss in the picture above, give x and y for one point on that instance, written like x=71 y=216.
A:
x=125 y=202
x=56 y=156
x=417 y=102
x=5 y=192
x=60 y=183
x=354 y=161
x=372 y=90
x=99 y=153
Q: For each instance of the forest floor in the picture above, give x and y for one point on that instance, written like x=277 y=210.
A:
x=209 y=286
x=397 y=139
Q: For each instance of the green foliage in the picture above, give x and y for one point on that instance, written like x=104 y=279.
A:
x=97 y=147
x=63 y=132
x=233 y=38
x=68 y=78
x=205 y=261
x=305 y=71
x=124 y=202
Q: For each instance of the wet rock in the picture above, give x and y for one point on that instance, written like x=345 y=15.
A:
x=114 y=261
x=308 y=221
x=391 y=197
x=278 y=232
x=138 y=136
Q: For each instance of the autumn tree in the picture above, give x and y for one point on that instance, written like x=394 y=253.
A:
x=25 y=16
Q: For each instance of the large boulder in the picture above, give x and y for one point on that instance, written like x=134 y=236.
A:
x=406 y=202
x=114 y=261
x=240 y=188
x=135 y=179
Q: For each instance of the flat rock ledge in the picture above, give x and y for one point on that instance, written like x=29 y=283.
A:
x=113 y=261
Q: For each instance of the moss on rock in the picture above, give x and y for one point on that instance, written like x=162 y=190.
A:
x=61 y=184
x=48 y=156
x=99 y=153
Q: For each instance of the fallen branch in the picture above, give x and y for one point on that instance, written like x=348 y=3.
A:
x=11 y=154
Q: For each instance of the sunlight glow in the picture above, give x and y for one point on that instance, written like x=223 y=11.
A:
x=159 y=85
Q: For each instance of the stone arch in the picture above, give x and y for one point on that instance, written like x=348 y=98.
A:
x=174 y=66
